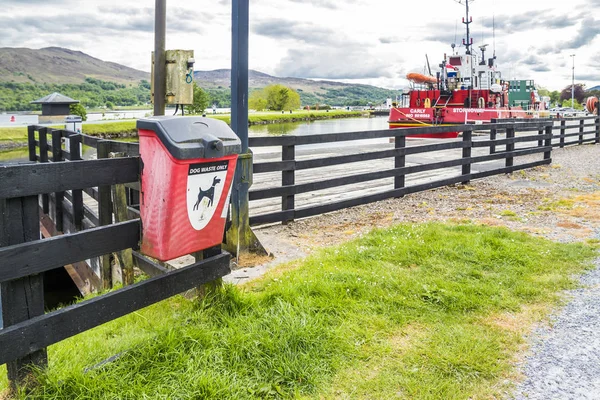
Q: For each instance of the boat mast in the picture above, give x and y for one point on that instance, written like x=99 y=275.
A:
x=467 y=22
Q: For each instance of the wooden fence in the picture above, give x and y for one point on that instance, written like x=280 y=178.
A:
x=60 y=211
x=53 y=187
x=505 y=140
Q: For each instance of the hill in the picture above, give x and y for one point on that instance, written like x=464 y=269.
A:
x=36 y=73
x=57 y=65
x=593 y=89
x=311 y=91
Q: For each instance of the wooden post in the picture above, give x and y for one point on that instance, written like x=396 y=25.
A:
x=493 y=135
x=105 y=210
x=548 y=142
x=77 y=194
x=211 y=287
x=44 y=159
x=510 y=147
x=597 y=121
x=31 y=143
x=540 y=142
x=288 y=178
x=22 y=299
x=563 y=125
x=58 y=196
x=125 y=257
x=581 y=123
x=466 y=153
x=400 y=161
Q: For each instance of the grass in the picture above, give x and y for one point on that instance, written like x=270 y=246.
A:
x=13 y=134
x=427 y=311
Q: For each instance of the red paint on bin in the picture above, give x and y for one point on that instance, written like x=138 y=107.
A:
x=167 y=230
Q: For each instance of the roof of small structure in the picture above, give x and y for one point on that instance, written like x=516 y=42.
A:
x=55 y=98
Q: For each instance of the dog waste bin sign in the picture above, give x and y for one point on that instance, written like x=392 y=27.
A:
x=188 y=164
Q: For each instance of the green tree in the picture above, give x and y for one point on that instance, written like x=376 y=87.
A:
x=78 y=109
x=280 y=97
x=555 y=96
x=110 y=105
x=201 y=100
x=567 y=103
x=257 y=100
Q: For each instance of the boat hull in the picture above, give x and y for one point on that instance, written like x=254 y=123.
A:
x=450 y=116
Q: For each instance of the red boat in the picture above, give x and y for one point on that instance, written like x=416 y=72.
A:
x=466 y=90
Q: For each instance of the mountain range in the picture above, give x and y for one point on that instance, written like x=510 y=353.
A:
x=56 y=65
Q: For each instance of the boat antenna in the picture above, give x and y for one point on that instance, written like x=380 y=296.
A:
x=494 y=29
x=428 y=66
x=455 y=36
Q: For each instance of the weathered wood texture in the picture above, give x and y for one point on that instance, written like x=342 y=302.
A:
x=302 y=194
x=22 y=299
x=39 y=332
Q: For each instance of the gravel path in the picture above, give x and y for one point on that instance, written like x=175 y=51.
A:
x=565 y=360
x=560 y=202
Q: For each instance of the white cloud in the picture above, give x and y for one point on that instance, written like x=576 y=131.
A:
x=354 y=41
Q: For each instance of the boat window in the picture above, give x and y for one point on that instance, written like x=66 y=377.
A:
x=455 y=61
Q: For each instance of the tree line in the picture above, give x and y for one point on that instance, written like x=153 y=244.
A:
x=562 y=98
x=92 y=93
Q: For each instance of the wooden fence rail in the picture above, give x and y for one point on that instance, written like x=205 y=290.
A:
x=531 y=136
x=51 y=190
x=44 y=225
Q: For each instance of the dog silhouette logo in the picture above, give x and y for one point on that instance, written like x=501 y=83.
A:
x=208 y=194
x=204 y=189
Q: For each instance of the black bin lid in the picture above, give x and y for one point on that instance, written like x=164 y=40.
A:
x=193 y=137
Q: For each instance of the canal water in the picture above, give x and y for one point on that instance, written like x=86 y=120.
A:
x=290 y=128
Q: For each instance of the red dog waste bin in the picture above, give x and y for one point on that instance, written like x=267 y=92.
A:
x=188 y=165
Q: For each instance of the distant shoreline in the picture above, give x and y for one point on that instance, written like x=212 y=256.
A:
x=16 y=137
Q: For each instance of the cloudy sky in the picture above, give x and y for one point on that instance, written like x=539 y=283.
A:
x=375 y=42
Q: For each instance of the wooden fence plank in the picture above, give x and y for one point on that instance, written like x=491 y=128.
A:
x=42 y=331
x=27 y=180
x=365 y=177
x=22 y=299
x=105 y=215
x=321 y=209
x=288 y=178
x=43 y=255
x=147 y=265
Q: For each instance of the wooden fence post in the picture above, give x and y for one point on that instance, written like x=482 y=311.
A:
x=31 y=143
x=563 y=125
x=581 y=123
x=466 y=153
x=44 y=159
x=57 y=156
x=493 y=135
x=22 y=299
x=105 y=210
x=119 y=200
x=510 y=147
x=540 y=142
x=597 y=121
x=548 y=142
x=400 y=161
x=77 y=194
x=288 y=153
x=209 y=288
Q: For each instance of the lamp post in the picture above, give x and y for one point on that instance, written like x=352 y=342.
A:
x=573 y=84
